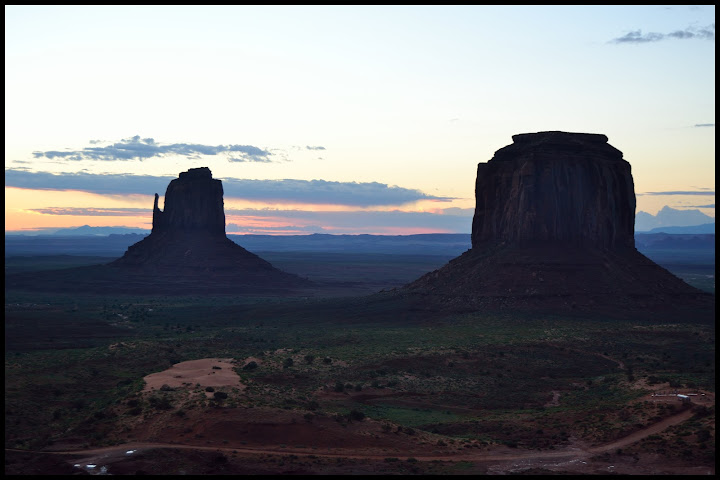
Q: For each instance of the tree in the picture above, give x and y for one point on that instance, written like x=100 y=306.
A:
x=250 y=366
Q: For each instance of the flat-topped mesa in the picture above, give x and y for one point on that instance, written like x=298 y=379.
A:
x=558 y=187
x=193 y=202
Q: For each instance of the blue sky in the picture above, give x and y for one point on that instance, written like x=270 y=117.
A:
x=341 y=119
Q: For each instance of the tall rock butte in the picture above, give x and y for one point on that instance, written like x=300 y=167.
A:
x=554 y=228
x=188 y=250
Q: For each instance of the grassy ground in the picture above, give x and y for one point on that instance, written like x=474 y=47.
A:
x=74 y=363
x=487 y=377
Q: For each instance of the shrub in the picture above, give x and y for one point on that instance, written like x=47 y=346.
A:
x=220 y=395
x=309 y=359
x=287 y=363
x=250 y=366
x=209 y=389
x=161 y=403
x=327 y=360
x=356 y=415
x=339 y=386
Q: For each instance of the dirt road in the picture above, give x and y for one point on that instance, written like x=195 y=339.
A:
x=509 y=459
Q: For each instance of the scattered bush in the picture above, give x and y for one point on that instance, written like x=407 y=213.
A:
x=250 y=366
x=220 y=395
x=161 y=403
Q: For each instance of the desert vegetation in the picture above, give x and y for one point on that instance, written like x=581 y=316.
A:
x=456 y=383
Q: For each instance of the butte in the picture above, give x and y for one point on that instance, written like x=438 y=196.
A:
x=188 y=250
x=554 y=230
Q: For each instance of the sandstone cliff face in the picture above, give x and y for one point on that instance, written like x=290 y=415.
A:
x=193 y=201
x=554 y=230
x=555 y=186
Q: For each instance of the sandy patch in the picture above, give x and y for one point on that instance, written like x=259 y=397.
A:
x=195 y=372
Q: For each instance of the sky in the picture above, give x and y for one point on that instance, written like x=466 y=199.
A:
x=341 y=119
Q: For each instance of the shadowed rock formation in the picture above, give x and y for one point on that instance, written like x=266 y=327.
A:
x=555 y=186
x=554 y=229
x=193 y=202
x=188 y=251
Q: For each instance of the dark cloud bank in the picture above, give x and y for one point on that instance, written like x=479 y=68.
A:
x=290 y=191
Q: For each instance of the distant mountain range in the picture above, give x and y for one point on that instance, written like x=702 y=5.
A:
x=677 y=220
x=84 y=231
x=699 y=229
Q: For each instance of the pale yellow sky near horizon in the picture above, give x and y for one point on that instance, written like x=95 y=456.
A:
x=406 y=96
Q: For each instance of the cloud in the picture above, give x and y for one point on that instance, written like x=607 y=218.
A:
x=284 y=191
x=234 y=228
x=455 y=220
x=681 y=192
x=636 y=36
x=107 y=184
x=269 y=221
x=709 y=205
x=704 y=124
x=314 y=148
x=136 y=148
x=94 y=212
x=324 y=192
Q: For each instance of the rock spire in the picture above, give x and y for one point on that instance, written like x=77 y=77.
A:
x=193 y=202
x=188 y=250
